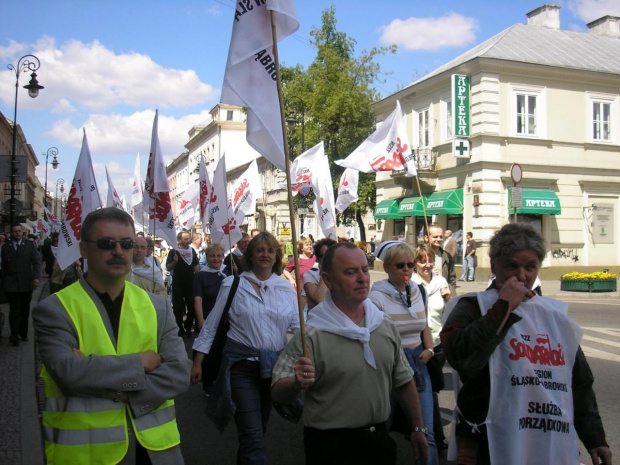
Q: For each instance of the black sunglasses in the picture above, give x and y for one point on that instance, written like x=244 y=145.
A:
x=107 y=243
x=400 y=266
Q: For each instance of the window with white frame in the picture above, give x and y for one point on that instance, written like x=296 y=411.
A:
x=601 y=121
x=526 y=114
x=448 y=131
x=602 y=117
x=423 y=128
x=527 y=111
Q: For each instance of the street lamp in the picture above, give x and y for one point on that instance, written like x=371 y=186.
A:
x=25 y=64
x=291 y=121
x=60 y=182
x=51 y=151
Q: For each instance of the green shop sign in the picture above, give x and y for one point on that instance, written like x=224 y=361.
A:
x=460 y=105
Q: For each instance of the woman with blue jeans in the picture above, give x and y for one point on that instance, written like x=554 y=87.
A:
x=262 y=311
x=402 y=299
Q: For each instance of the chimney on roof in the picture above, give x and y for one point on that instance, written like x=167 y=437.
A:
x=607 y=26
x=546 y=16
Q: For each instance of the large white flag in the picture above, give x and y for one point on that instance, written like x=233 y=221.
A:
x=204 y=195
x=137 y=188
x=250 y=77
x=386 y=149
x=157 y=191
x=83 y=198
x=347 y=189
x=224 y=226
x=53 y=219
x=113 y=199
x=324 y=192
x=245 y=190
x=44 y=227
x=188 y=202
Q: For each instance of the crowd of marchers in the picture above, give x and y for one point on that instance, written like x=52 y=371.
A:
x=111 y=338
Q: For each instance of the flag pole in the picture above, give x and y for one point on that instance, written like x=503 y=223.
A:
x=423 y=206
x=287 y=165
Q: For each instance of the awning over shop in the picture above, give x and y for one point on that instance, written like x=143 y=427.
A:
x=387 y=209
x=445 y=203
x=538 y=202
x=410 y=206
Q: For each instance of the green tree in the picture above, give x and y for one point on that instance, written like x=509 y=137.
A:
x=334 y=96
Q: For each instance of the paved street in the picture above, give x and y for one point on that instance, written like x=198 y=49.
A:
x=597 y=314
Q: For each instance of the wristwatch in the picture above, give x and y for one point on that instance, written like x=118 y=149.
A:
x=421 y=429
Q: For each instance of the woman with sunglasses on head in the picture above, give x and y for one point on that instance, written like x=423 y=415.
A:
x=263 y=309
x=438 y=293
x=402 y=299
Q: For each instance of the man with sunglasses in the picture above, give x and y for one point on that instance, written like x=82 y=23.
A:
x=112 y=360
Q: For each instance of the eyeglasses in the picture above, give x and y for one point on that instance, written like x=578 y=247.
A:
x=107 y=243
x=400 y=266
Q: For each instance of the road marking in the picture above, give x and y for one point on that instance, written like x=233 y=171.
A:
x=608 y=331
x=600 y=354
x=600 y=340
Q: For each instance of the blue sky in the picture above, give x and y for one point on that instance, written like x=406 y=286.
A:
x=107 y=65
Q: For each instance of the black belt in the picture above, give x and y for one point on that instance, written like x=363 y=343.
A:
x=376 y=428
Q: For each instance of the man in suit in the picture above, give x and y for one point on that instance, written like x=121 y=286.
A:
x=21 y=270
x=449 y=244
x=444 y=263
x=98 y=360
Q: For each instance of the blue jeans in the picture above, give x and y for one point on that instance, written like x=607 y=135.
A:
x=252 y=398
x=468 y=268
x=425 y=395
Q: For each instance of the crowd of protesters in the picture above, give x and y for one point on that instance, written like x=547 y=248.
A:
x=242 y=308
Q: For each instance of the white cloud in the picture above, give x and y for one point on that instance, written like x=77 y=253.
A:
x=589 y=10
x=452 y=30
x=95 y=78
x=214 y=10
x=115 y=134
x=63 y=107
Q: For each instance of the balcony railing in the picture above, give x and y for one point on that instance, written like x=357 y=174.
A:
x=425 y=162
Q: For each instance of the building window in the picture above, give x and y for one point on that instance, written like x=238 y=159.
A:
x=601 y=121
x=526 y=114
x=423 y=128
x=229 y=115
x=447 y=119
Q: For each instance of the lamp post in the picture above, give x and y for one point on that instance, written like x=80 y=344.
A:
x=60 y=182
x=291 y=121
x=51 y=151
x=63 y=203
x=25 y=64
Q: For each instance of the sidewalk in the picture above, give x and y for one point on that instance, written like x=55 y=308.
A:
x=20 y=427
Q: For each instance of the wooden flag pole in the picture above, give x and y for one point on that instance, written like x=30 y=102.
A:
x=423 y=206
x=287 y=165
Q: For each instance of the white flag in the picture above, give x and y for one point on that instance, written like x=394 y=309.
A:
x=187 y=204
x=205 y=194
x=53 y=220
x=347 y=190
x=386 y=149
x=44 y=227
x=324 y=192
x=83 y=198
x=302 y=168
x=113 y=199
x=224 y=226
x=124 y=204
x=137 y=188
x=157 y=191
x=250 y=77
x=245 y=191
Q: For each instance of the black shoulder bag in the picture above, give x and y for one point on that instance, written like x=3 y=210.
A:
x=213 y=360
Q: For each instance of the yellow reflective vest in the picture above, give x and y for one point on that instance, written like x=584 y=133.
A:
x=89 y=430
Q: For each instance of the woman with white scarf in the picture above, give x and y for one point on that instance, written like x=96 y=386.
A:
x=208 y=281
x=402 y=300
x=262 y=311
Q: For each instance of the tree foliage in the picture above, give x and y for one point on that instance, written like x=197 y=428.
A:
x=334 y=98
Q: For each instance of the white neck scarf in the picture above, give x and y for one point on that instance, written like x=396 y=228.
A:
x=187 y=255
x=219 y=271
x=147 y=271
x=327 y=317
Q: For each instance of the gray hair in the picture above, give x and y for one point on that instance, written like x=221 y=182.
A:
x=514 y=238
x=105 y=214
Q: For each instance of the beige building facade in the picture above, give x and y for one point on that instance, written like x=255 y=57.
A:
x=545 y=98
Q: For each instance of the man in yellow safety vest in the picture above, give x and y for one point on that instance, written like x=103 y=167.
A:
x=112 y=360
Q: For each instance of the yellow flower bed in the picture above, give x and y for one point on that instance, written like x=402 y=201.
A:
x=599 y=275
